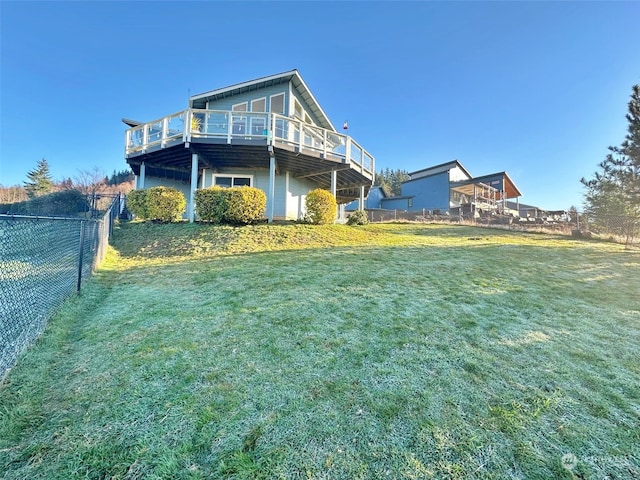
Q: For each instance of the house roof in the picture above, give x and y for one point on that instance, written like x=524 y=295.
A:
x=425 y=172
x=199 y=101
x=132 y=123
x=510 y=188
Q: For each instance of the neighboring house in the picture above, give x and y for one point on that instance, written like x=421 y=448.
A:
x=373 y=200
x=268 y=133
x=450 y=189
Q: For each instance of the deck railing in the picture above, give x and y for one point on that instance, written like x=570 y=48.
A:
x=229 y=125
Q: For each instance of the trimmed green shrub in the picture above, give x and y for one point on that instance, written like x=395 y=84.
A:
x=244 y=205
x=137 y=203
x=359 y=217
x=237 y=205
x=321 y=207
x=211 y=204
x=164 y=204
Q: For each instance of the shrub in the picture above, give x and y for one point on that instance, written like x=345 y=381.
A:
x=321 y=207
x=165 y=204
x=359 y=217
x=237 y=205
x=244 y=205
x=63 y=203
x=211 y=204
x=136 y=203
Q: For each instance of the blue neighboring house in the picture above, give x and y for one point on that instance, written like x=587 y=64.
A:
x=449 y=189
x=268 y=133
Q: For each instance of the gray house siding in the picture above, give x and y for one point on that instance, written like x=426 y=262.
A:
x=296 y=196
x=429 y=192
x=228 y=102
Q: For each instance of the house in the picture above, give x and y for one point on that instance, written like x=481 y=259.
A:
x=449 y=188
x=269 y=133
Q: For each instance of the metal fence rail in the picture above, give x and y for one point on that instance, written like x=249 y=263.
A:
x=43 y=260
x=617 y=228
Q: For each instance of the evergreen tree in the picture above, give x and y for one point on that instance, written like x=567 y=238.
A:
x=120 y=176
x=391 y=181
x=615 y=187
x=40 y=181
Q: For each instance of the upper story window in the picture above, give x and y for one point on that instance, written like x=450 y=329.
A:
x=297 y=110
x=259 y=105
x=277 y=103
x=239 y=107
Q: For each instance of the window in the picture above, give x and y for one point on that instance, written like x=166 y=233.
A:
x=277 y=103
x=232 y=180
x=298 y=110
x=259 y=105
x=239 y=107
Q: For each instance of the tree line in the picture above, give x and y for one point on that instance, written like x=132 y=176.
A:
x=40 y=182
x=391 y=181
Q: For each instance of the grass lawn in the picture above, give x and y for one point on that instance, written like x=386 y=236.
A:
x=292 y=351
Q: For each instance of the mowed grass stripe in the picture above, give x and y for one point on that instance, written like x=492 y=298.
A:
x=291 y=351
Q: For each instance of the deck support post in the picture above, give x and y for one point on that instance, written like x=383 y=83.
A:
x=191 y=213
x=142 y=175
x=361 y=199
x=272 y=184
x=334 y=182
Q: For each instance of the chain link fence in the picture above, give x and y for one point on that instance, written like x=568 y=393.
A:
x=43 y=260
x=617 y=228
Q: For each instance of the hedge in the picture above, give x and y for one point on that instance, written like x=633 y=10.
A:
x=164 y=204
x=244 y=205
x=321 y=207
x=236 y=205
x=63 y=203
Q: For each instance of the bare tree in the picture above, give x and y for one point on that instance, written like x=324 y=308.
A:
x=90 y=182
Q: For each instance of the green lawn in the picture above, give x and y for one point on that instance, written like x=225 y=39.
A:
x=292 y=351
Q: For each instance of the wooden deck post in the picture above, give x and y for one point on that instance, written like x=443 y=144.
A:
x=272 y=184
x=191 y=213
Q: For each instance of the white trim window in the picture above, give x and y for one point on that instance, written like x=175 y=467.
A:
x=240 y=107
x=276 y=103
x=259 y=105
x=222 y=180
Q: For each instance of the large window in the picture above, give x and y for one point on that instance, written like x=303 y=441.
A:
x=259 y=105
x=277 y=103
x=232 y=180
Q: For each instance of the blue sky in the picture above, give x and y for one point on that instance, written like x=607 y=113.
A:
x=537 y=89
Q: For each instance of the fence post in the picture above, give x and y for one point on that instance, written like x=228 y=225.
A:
x=81 y=253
